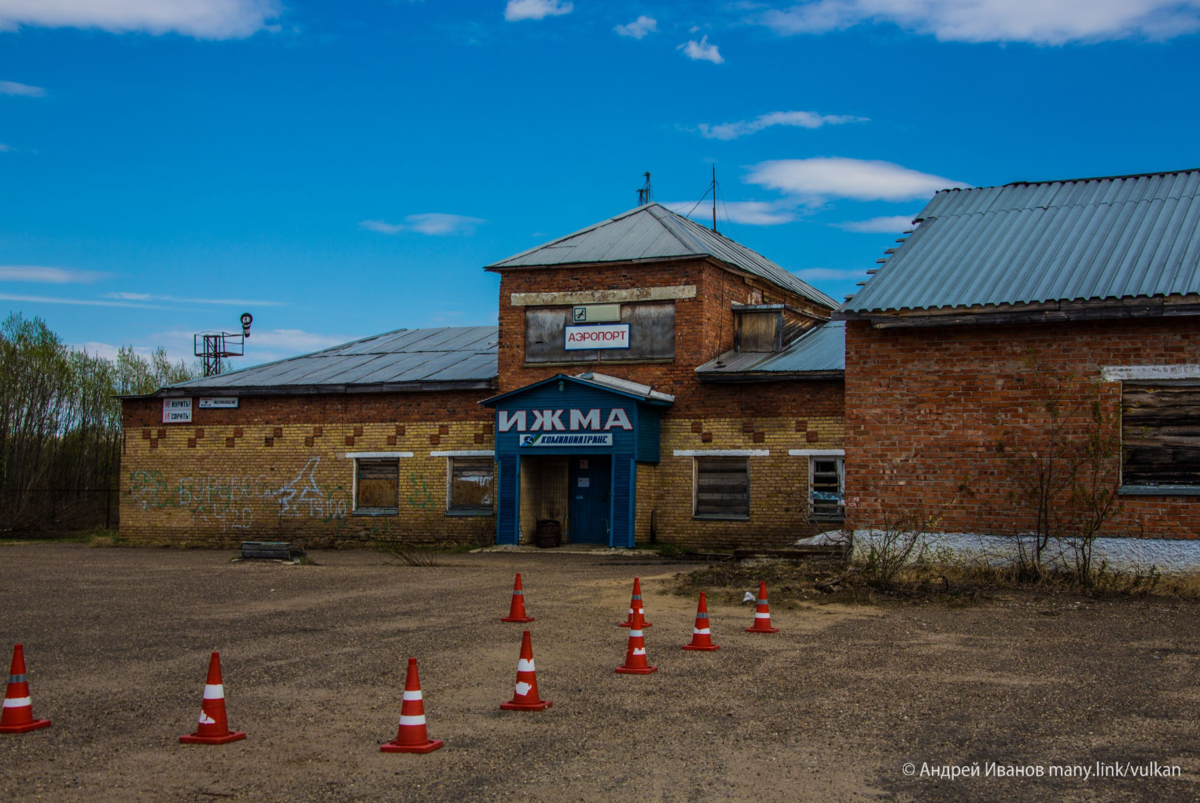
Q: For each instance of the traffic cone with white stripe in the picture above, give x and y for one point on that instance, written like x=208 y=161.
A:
x=525 y=697
x=412 y=736
x=516 y=611
x=635 y=653
x=635 y=605
x=762 y=613
x=701 y=635
x=17 y=714
x=214 y=727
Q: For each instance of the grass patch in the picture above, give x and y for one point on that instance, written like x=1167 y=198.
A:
x=943 y=582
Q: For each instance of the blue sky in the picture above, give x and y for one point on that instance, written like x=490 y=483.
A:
x=343 y=169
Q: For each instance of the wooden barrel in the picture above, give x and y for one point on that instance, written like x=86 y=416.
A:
x=548 y=533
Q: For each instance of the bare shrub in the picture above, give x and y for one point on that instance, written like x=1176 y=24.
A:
x=1061 y=470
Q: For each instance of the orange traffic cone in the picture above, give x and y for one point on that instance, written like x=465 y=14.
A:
x=635 y=602
x=214 y=727
x=525 y=698
x=412 y=737
x=516 y=611
x=635 y=653
x=701 y=635
x=762 y=613
x=17 y=714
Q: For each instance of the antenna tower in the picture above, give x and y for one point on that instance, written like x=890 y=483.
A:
x=213 y=348
x=645 y=193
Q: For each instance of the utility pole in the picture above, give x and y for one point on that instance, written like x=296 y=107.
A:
x=714 y=189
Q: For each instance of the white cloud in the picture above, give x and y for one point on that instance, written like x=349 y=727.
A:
x=702 y=51
x=434 y=223
x=1043 y=22
x=106 y=350
x=750 y=213
x=829 y=275
x=24 y=90
x=815 y=180
x=741 y=128
x=47 y=275
x=202 y=19
x=890 y=224
x=639 y=27
x=535 y=9
x=226 y=302
x=4 y=148
x=80 y=302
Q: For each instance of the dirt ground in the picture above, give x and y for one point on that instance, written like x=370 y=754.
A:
x=829 y=709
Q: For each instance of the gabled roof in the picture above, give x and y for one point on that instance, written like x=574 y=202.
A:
x=1086 y=239
x=450 y=358
x=820 y=353
x=612 y=384
x=655 y=232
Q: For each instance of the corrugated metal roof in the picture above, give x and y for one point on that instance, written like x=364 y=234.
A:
x=820 y=350
x=418 y=357
x=655 y=232
x=1025 y=243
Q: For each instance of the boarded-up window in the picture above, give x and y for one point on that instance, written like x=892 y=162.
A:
x=1160 y=434
x=825 y=488
x=651 y=334
x=471 y=484
x=723 y=487
x=377 y=485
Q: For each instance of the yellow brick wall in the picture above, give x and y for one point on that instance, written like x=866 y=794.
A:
x=229 y=485
x=778 y=482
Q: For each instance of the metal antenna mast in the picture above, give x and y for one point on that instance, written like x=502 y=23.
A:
x=645 y=193
x=215 y=347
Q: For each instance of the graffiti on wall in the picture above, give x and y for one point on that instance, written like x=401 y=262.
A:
x=232 y=501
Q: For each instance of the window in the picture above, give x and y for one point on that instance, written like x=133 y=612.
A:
x=1160 y=435
x=722 y=487
x=651 y=335
x=470 y=482
x=377 y=486
x=826 y=487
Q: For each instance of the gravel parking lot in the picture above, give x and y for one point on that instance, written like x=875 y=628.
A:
x=829 y=709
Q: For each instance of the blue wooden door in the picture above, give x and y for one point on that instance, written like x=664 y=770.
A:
x=590 y=488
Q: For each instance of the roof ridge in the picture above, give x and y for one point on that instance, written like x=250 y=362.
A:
x=573 y=234
x=1081 y=179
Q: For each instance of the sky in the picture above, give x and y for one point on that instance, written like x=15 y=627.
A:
x=342 y=169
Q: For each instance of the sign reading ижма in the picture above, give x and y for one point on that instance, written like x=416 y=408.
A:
x=606 y=336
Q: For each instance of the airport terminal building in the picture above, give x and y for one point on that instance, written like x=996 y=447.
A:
x=650 y=381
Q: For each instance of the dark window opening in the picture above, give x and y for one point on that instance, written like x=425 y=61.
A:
x=826 y=494
x=722 y=487
x=377 y=486
x=1160 y=435
x=471 y=484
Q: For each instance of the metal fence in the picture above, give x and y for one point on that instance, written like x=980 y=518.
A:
x=49 y=510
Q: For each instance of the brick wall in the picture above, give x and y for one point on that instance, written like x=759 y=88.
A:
x=778 y=482
x=276 y=469
x=704 y=325
x=925 y=409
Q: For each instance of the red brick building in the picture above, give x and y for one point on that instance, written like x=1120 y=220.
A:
x=1086 y=292
x=649 y=381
